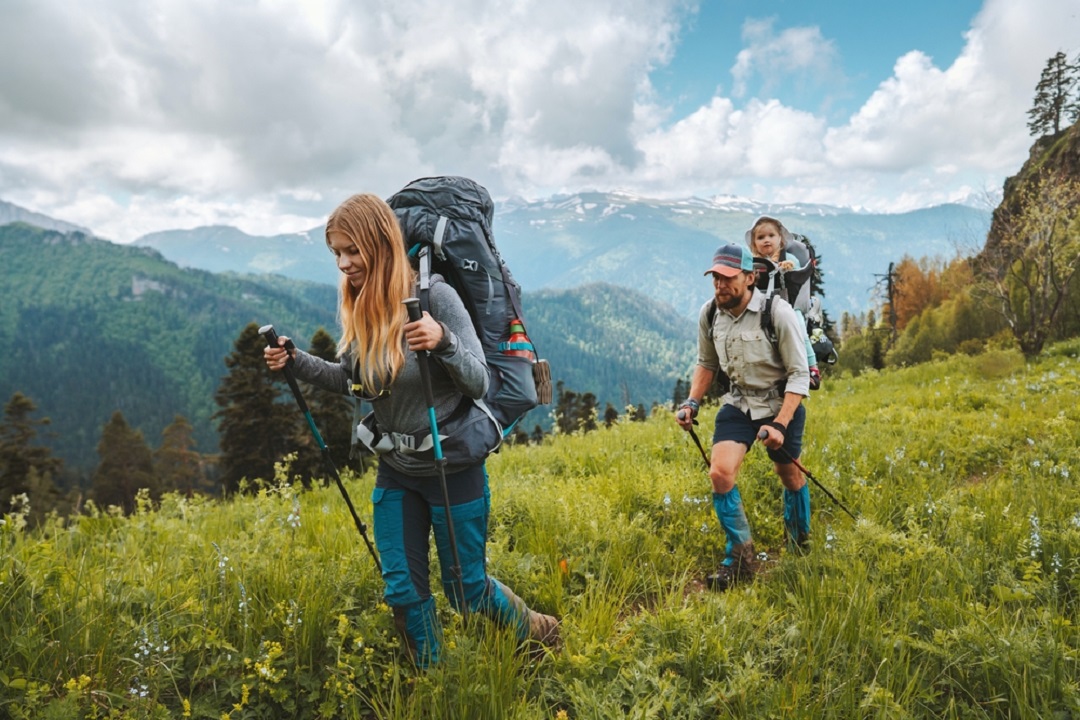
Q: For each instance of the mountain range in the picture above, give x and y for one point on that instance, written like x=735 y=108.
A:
x=90 y=327
x=613 y=283
x=660 y=247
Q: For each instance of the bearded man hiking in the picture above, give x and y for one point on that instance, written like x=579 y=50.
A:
x=769 y=379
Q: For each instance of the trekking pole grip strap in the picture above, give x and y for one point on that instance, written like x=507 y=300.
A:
x=779 y=426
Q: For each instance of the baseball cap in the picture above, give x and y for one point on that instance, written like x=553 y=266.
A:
x=730 y=260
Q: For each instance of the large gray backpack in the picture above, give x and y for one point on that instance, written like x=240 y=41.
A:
x=446 y=223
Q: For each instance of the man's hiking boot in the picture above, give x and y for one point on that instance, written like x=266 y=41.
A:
x=815 y=378
x=799 y=544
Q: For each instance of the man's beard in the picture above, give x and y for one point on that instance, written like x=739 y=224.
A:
x=730 y=302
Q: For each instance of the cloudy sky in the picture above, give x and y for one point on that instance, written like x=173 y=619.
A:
x=129 y=117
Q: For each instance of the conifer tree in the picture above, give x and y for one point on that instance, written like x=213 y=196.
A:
x=567 y=410
x=682 y=389
x=518 y=436
x=126 y=466
x=256 y=427
x=179 y=468
x=1054 y=96
x=586 y=419
x=537 y=436
x=611 y=415
x=817 y=287
x=25 y=468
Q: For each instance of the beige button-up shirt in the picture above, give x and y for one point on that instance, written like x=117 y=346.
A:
x=760 y=371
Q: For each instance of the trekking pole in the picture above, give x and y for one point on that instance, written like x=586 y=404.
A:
x=763 y=434
x=682 y=416
x=267 y=331
x=412 y=305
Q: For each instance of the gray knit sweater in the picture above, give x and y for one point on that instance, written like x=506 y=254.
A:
x=458 y=370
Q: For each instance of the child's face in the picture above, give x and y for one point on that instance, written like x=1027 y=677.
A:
x=767 y=240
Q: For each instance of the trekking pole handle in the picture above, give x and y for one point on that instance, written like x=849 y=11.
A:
x=681 y=415
x=268 y=332
x=412 y=305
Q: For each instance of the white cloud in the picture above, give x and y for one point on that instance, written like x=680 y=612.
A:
x=775 y=56
x=927 y=135
x=268 y=102
x=128 y=118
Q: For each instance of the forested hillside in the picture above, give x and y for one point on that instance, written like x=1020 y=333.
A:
x=90 y=327
x=611 y=341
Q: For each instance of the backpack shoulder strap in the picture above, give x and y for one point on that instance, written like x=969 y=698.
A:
x=767 y=323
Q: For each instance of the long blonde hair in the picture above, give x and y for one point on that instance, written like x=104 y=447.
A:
x=372 y=317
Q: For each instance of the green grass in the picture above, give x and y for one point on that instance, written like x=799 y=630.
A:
x=954 y=595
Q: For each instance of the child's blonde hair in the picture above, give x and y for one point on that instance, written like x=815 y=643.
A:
x=751 y=240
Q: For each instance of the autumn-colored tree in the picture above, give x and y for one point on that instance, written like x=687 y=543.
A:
x=917 y=286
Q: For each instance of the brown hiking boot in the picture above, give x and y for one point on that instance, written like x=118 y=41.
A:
x=544 y=629
x=539 y=629
x=740 y=571
x=727 y=577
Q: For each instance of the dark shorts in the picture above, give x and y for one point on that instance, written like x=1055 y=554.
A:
x=733 y=424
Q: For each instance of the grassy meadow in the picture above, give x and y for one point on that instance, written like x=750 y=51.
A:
x=954 y=595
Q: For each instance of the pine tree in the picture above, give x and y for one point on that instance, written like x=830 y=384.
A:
x=518 y=436
x=611 y=415
x=567 y=410
x=256 y=427
x=586 y=419
x=1054 y=96
x=537 y=436
x=126 y=466
x=25 y=468
x=1072 y=106
x=682 y=389
x=179 y=468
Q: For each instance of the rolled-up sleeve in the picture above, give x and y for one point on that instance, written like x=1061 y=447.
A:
x=707 y=355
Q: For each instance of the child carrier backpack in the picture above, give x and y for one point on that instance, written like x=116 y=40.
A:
x=793 y=286
x=446 y=225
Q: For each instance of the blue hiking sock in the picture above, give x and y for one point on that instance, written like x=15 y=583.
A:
x=797 y=514
x=729 y=510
